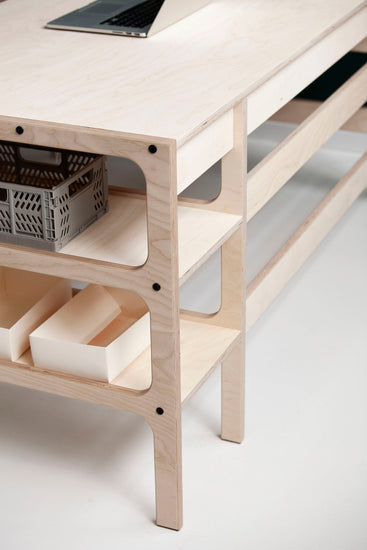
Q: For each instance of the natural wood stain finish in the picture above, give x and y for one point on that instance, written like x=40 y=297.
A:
x=292 y=153
x=159 y=86
x=193 y=91
x=298 y=110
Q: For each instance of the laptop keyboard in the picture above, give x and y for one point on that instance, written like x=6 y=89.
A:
x=139 y=16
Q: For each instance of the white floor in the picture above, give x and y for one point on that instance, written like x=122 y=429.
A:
x=74 y=476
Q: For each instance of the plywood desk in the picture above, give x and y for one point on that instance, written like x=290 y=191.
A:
x=176 y=104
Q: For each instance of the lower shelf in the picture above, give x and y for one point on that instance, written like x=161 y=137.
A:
x=202 y=348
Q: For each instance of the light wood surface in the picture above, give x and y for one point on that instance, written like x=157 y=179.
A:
x=297 y=110
x=163 y=269
x=120 y=237
x=291 y=154
x=276 y=274
x=231 y=314
x=362 y=46
x=202 y=348
x=169 y=85
x=300 y=71
x=202 y=151
x=184 y=91
x=97 y=270
x=233 y=395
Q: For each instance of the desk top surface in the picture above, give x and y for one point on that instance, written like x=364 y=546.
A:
x=168 y=85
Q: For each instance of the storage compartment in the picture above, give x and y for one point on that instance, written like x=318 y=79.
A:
x=26 y=300
x=49 y=196
x=95 y=335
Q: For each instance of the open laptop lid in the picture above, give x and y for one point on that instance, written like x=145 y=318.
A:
x=100 y=16
x=174 y=10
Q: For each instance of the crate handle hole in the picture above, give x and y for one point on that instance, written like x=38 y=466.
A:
x=40 y=156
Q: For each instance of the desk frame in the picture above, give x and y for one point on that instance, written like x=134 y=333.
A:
x=168 y=169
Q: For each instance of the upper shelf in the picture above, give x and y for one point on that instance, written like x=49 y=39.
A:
x=120 y=237
x=170 y=85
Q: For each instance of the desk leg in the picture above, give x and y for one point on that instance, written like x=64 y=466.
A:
x=163 y=302
x=233 y=398
x=232 y=312
x=168 y=475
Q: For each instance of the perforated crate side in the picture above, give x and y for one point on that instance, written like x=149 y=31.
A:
x=5 y=221
x=26 y=211
x=50 y=216
x=88 y=203
x=21 y=217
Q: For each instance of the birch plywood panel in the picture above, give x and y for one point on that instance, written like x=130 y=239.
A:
x=298 y=110
x=169 y=85
x=202 y=348
x=290 y=155
x=362 y=46
x=121 y=235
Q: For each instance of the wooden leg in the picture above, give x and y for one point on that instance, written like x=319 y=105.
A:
x=233 y=389
x=168 y=474
x=163 y=302
x=232 y=199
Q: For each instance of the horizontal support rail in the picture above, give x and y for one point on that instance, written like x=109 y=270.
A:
x=200 y=153
x=361 y=47
x=290 y=155
x=71 y=267
x=297 y=110
x=300 y=71
x=272 y=279
x=100 y=393
x=203 y=347
x=79 y=138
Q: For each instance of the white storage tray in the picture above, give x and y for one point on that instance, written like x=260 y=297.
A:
x=95 y=335
x=26 y=300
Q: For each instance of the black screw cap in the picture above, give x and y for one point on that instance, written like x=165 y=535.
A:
x=159 y=410
x=19 y=130
x=152 y=149
x=156 y=287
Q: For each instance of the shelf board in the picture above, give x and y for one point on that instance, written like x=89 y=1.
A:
x=121 y=235
x=203 y=347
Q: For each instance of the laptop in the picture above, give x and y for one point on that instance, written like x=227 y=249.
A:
x=140 y=18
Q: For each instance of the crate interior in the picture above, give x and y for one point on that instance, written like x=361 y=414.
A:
x=40 y=167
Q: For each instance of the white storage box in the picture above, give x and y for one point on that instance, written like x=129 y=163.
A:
x=95 y=335
x=26 y=300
